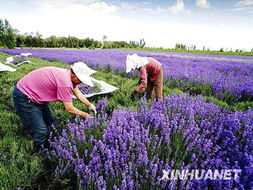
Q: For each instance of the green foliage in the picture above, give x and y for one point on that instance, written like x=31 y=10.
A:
x=11 y=39
x=31 y=40
x=241 y=106
x=19 y=165
x=7 y=37
x=193 y=88
x=221 y=50
x=180 y=46
x=136 y=44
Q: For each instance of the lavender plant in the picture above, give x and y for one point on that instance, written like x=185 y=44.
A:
x=19 y=59
x=228 y=77
x=85 y=89
x=130 y=149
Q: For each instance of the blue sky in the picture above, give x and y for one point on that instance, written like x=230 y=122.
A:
x=162 y=23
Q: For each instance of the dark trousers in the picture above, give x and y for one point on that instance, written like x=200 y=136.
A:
x=36 y=118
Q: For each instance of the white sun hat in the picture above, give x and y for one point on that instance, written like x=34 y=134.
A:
x=26 y=54
x=135 y=62
x=85 y=68
x=6 y=68
x=83 y=72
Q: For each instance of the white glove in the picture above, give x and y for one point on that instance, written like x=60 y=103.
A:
x=93 y=108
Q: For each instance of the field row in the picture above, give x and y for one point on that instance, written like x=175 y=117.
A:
x=229 y=78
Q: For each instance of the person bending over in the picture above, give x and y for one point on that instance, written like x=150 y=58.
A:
x=35 y=90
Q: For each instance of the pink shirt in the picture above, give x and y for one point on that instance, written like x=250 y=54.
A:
x=148 y=72
x=47 y=84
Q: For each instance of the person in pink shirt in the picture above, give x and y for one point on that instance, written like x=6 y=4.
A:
x=151 y=75
x=33 y=92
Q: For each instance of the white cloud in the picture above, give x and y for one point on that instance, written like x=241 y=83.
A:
x=103 y=7
x=202 y=3
x=244 y=3
x=178 y=7
x=245 y=6
x=97 y=18
x=93 y=5
x=63 y=18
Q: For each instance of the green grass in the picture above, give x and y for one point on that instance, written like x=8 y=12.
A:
x=20 y=165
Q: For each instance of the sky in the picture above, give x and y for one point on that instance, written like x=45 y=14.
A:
x=215 y=24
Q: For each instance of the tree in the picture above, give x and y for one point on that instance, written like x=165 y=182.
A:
x=96 y=44
x=142 y=43
x=7 y=35
x=11 y=37
x=38 y=40
x=29 y=42
x=88 y=42
x=180 y=46
x=20 y=40
x=52 y=41
x=104 y=40
x=72 y=42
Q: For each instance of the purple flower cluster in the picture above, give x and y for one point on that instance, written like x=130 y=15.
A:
x=85 y=89
x=18 y=59
x=130 y=149
x=232 y=74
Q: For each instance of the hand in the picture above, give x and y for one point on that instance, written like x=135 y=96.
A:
x=87 y=116
x=93 y=108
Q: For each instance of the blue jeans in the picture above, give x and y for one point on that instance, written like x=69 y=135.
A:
x=36 y=118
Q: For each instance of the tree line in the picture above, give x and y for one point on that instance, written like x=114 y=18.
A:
x=180 y=46
x=11 y=38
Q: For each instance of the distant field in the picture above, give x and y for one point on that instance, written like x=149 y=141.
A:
x=228 y=77
x=166 y=50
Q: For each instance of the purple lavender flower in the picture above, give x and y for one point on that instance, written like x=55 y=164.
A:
x=179 y=132
x=225 y=75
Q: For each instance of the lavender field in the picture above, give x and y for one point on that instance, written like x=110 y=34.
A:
x=187 y=126
x=129 y=150
x=130 y=143
x=228 y=75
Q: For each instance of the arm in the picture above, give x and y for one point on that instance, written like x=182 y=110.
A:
x=84 y=100
x=73 y=110
x=64 y=94
x=81 y=97
x=143 y=79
